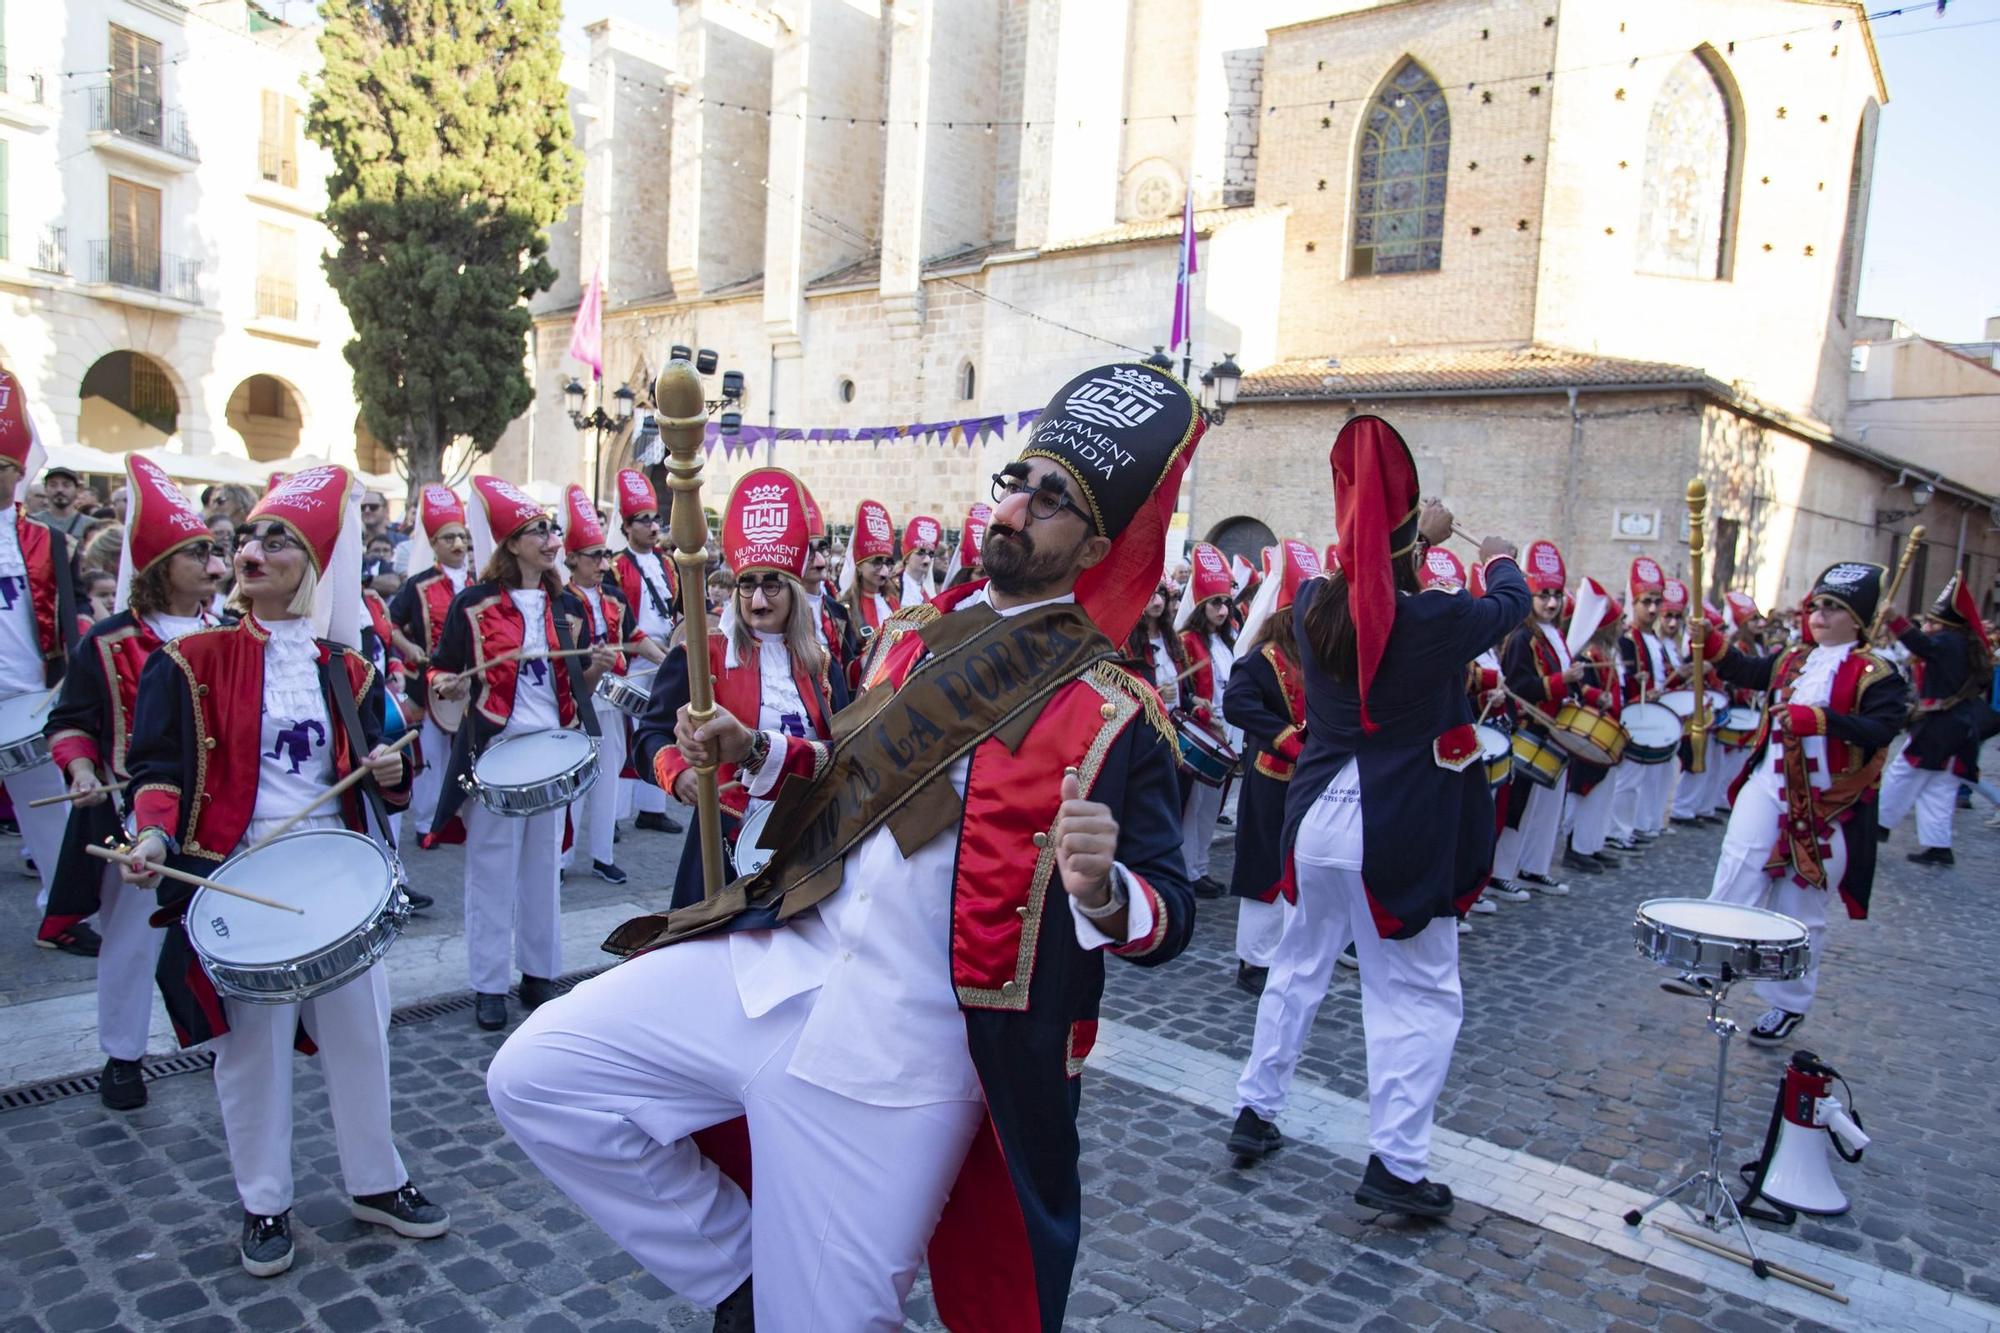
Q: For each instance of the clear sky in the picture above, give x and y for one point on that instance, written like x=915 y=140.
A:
x=1933 y=252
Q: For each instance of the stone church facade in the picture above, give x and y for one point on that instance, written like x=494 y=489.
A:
x=1576 y=255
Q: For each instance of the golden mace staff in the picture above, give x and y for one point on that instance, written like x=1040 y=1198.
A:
x=1697 y=499
x=679 y=399
x=1886 y=607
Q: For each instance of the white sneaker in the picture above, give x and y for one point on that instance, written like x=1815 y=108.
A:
x=1464 y=926
x=1484 y=905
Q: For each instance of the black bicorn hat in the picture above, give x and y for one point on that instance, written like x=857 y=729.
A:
x=1855 y=584
x=1947 y=608
x=1117 y=431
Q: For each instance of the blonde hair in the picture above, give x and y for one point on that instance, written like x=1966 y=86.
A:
x=800 y=640
x=103 y=550
x=302 y=599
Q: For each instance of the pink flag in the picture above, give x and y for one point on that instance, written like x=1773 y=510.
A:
x=586 y=340
x=1183 y=301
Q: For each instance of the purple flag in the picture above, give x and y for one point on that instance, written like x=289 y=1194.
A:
x=1183 y=310
x=586 y=336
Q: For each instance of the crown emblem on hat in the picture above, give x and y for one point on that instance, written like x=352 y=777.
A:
x=878 y=524
x=1129 y=397
x=1845 y=575
x=1209 y=557
x=1546 y=560
x=764 y=493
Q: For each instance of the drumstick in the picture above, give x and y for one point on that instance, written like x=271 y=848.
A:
x=516 y=655
x=168 y=872
x=47 y=699
x=1818 y=1286
x=360 y=772
x=41 y=801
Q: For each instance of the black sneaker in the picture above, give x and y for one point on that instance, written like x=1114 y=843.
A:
x=738 y=1312
x=1225 y=821
x=79 y=939
x=1382 y=1191
x=1607 y=860
x=1207 y=887
x=267 y=1244
x=404 y=1211
x=1253 y=1137
x=122 y=1086
x=1687 y=983
x=1690 y=822
x=537 y=991
x=608 y=872
x=1576 y=860
x=654 y=821
x=1775 y=1026
x=1251 y=978
x=490 y=1011
x=1624 y=845
x=1506 y=891
x=1882 y=834
x=418 y=901
x=1543 y=884
x=1930 y=856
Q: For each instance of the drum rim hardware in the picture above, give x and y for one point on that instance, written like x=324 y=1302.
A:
x=544 y=795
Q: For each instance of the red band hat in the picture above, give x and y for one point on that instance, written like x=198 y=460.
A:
x=1208 y=578
x=1646 y=577
x=1375 y=512
x=1542 y=566
x=635 y=495
x=321 y=506
x=1288 y=566
x=159 y=520
x=922 y=532
x=764 y=527
x=1673 y=597
x=971 y=540
x=499 y=510
x=1441 y=569
x=582 y=529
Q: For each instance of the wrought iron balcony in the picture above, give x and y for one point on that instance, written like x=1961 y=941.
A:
x=277 y=298
x=144 y=120
x=123 y=264
x=52 y=249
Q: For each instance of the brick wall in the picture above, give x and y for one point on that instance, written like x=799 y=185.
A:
x=1244 y=71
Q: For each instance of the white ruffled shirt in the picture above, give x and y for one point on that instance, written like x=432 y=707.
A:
x=295 y=749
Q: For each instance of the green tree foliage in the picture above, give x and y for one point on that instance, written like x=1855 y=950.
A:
x=448 y=123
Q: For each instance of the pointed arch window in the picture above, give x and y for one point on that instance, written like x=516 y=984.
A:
x=1399 y=182
x=1687 y=202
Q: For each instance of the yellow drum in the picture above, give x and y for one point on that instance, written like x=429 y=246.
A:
x=1591 y=736
x=1497 y=753
x=1538 y=759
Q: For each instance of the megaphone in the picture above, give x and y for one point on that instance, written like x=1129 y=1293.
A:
x=1795 y=1174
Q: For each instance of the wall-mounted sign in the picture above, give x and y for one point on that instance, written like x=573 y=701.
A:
x=1635 y=525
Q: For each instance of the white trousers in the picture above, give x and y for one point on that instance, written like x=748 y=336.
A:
x=1740 y=878
x=1593 y=816
x=125 y=966
x=1258 y=926
x=513 y=896
x=600 y=805
x=253 y=1080
x=1933 y=792
x=1410 y=1010
x=1691 y=790
x=41 y=830
x=429 y=781
x=1729 y=761
x=603 y=1087
x=1529 y=847
x=1198 y=827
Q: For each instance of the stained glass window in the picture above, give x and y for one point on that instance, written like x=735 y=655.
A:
x=1684 y=202
x=1399 y=177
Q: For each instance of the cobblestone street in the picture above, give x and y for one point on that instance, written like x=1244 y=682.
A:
x=1577 y=1084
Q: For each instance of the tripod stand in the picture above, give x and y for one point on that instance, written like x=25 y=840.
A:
x=1711 y=1203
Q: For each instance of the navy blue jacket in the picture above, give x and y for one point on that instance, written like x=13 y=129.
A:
x=1427 y=831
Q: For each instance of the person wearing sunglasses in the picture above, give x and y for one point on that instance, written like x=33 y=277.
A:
x=599 y=616
x=439 y=572
x=513 y=872
x=1203 y=622
x=866 y=585
x=769 y=667
x=1957 y=657
x=237 y=730
x=904 y=959
x=171 y=570
x=650 y=581
x=922 y=537
x=1803 y=824
x=1643 y=792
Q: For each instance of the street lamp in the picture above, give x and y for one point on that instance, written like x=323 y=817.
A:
x=1218 y=388
x=598 y=421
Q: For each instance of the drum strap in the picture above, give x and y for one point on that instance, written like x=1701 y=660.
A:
x=357 y=739
x=66 y=630
x=586 y=714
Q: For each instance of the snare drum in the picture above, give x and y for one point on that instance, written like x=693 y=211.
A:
x=1722 y=941
x=1592 y=736
x=1210 y=760
x=1681 y=704
x=749 y=854
x=1655 y=732
x=524 y=775
x=352 y=894
x=447 y=713
x=22 y=745
x=628 y=694
x=1538 y=759
x=1496 y=751
x=1737 y=726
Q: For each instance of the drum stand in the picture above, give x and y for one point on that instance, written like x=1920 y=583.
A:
x=1711 y=1203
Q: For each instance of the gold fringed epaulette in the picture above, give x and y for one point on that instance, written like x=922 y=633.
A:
x=1110 y=676
x=893 y=629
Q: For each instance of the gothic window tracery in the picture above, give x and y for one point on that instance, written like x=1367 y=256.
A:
x=1686 y=203
x=1399 y=183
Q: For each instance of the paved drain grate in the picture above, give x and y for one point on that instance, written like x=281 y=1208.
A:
x=188 y=1062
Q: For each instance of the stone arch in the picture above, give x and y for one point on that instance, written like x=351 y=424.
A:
x=128 y=401
x=1847 y=277
x=1402 y=161
x=1692 y=183
x=1153 y=188
x=269 y=414
x=1242 y=536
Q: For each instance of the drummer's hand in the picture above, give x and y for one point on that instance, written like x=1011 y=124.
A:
x=1086 y=844
x=721 y=739
x=148 y=851
x=684 y=786
x=1495 y=546
x=1434 y=523
x=83 y=778
x=385 y=767
x=1574 y=671
x=450 y=687
x=603 y=656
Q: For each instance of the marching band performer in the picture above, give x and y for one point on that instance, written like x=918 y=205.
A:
x=769 y=669
x=236 y=729
x=833 y=624
x=1639 y=802
x=1954 y=670
x=438 y=573
x=1745 y=625
x=1202 y=622
x=864 y=580
x=1803 y=822
x=169 y=569
x=1154 y=643
x=39 y=603
x=965 y=566
x=1266 y=698
x=1593 y=640
x=1539 y=668
x=922 y=537
x=902 y=1001
x=598 y=614
x=650 y=582
x=1484 y=681
x=513 y=882
x=1388 y=817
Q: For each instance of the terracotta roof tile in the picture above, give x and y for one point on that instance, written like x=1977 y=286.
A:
x=1432 y=370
